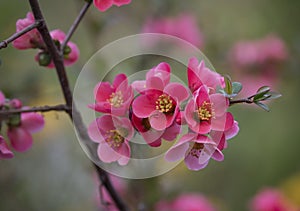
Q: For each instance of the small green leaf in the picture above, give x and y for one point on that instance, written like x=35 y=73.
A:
x=263 y=106
x=228 y=85
x=274 y=95
x=261 y=92
x=236 y=87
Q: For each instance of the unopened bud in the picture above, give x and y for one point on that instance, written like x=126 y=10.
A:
x=44 y=59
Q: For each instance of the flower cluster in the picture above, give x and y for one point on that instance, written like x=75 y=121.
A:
x=257 y=62
x=33 y=39
x=156 y=114
x=20 y=127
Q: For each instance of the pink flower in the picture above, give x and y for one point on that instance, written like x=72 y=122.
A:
x=270 y=200
x=5 y=152
x=199 y=74
x=20 y=135
x=183 y=26
x=197 y=149
x=113 y=134
x=104 y=5
x=31 y=39
x=159 y=103
x=186 y=202
x=113 y=98
x=2 y=99
x=258 y=52
x=154 y=137
x=161 y=71
x=205 y=112
x=71 y=51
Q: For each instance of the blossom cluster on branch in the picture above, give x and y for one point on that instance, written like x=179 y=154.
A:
x=20 y=127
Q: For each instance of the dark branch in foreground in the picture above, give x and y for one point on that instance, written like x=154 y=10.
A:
x=15 y=36
x=73 y=113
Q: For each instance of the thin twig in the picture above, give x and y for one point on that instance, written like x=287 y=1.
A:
x=74 y=114
x=75 y=24
x=248 y=101
x=16 y=35
x=35 y=109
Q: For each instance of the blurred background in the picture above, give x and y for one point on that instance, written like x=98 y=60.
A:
x=253 y=41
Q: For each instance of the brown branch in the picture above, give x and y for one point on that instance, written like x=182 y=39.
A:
x=16 y=35
x=247 y=100
x=35 y=109
x=75 y=24
x=74 y=114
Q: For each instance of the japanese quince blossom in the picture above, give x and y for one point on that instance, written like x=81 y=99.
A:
x=70 y=53
x=270 y=199
x=205 y=112
x=197 y=149
x=31 y=39
x=20 y=135
x=113 y=98
x=161 y=71
x=5 y=152
x=199 y=75
x=186 y=202
x=104 y=5
x=159 y=101
x=156 y=114
x=113 y=134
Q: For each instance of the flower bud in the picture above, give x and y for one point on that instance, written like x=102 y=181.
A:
x=15 y=103
x=44 y=59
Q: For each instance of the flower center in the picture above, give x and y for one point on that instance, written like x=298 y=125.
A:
x=114 y=139
x=164 y=103
x=205 y=112
x=116 y=99
x=196 y=148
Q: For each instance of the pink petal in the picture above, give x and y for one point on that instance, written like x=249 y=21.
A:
x=219 y=104
x=192 y=163
x=102 y=91
x=20 y=138
x=171 y=132
x=189 y=113
x=2 y=98
x=158 y=120
x=233 y=131
x=5 y=152
x=107 y=154
x=155 y=83
x=222 y=123
x=142 y=106
x=119 y=80
x=177 y=91
x=32 y=122
x=218 y=155
x=201 y=95
x=121 y=2
x=123 y=160
x=94 y=132
x=139 y=86
x=73 y=55
x=178 y=151
x=103 y=5
x=152 y=137
x=58 y=34
x=106 y=123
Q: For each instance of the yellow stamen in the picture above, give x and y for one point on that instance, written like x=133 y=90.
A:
x=164 y=104
x=116 y=99
x=114 y=139
x=205 y=112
